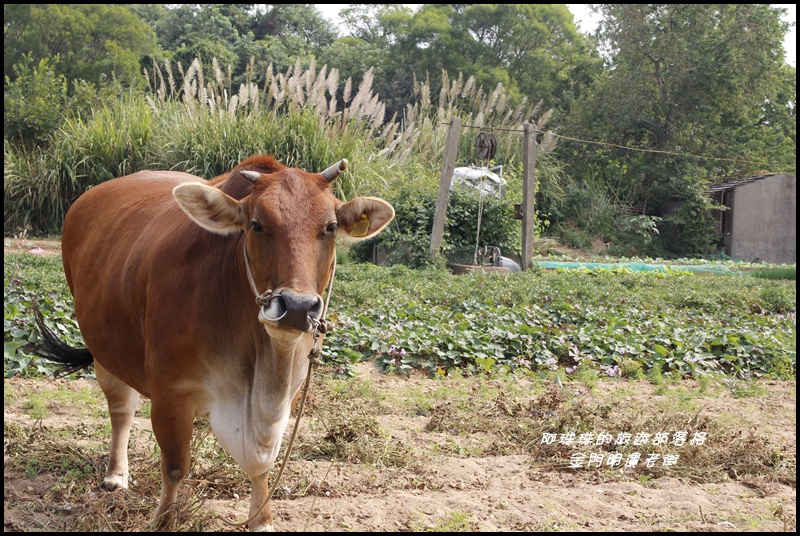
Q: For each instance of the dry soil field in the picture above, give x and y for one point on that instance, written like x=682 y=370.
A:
x=406 y=459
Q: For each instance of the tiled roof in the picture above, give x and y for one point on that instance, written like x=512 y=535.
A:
x=733 y=183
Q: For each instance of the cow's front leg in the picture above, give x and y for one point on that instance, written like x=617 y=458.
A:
x=262 y=521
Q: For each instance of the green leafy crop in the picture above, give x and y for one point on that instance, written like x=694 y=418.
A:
x=617 y=322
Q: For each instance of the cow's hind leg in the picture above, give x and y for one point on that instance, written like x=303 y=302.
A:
x=122 y=401
x=173 y=421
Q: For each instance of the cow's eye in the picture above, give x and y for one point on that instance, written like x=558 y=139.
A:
x=331 y=228
x=256 y=227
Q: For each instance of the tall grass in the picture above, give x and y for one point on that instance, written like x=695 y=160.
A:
x=39 y=184
x=197 y=122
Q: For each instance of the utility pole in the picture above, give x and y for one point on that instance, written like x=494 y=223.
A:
x=450 y=153
x=528 y=191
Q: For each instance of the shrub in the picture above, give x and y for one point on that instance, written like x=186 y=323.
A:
x=34 y=103
x=689 y=230
x=407 y=240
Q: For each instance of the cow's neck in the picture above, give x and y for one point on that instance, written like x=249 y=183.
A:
x=278 y=375
x=278 y=369
x=250 y=424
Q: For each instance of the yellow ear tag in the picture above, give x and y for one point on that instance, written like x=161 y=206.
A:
x=360 y=228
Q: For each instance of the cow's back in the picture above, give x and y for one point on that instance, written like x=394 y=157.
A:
x=116 y=237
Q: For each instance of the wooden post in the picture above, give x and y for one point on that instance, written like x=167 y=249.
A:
x=450 y=153
x=528 y=192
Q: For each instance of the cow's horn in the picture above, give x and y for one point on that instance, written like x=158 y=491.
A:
x=250 y=175
x=334 y=171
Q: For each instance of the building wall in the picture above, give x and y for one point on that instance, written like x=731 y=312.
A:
x=764 y=220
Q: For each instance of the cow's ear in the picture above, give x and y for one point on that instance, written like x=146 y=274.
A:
x=363 y=217
x=210 y=208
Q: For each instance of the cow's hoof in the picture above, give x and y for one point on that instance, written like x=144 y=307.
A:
x=115 y=482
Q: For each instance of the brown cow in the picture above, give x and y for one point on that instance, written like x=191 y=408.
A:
x=163 y=267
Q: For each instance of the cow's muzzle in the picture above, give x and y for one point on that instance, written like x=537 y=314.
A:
x=292 y=310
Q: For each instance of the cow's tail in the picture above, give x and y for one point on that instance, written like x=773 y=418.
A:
x=56 y=350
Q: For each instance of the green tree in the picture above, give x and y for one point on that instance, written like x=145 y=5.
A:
x=538 y=45
x=15 y=20
x=702 y=79
x=534 y=51
x=353 y=57
x=204 y=31
x=152 y=14
x=246 y=37
x=776 y=122
x=33 y=104
x=303 y=22
x=95 y=42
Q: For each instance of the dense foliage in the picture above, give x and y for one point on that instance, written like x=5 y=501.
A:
x=27 y=278
x=91 y=42
x=473 y=221
x=299 y=121
x=673 y=97
x=616 y=322
x=687 y=79
x=35 y=105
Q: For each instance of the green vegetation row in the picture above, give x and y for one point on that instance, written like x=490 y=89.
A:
x=612 y=322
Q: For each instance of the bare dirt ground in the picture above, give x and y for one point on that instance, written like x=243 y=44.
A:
x=452 y=481
x=444 y=488
x=33 y=246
